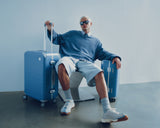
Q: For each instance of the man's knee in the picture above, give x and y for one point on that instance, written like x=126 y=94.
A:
x=61 y=68
x=99 y=75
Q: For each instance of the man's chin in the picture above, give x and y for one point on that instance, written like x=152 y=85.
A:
x=85 y=29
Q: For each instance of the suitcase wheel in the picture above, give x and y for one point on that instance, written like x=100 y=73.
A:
x=25 y=97
x=113 y=99
x=54 y=101
x=42 y=104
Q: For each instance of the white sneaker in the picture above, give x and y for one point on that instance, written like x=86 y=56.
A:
x=66 y=109
x=113 y=116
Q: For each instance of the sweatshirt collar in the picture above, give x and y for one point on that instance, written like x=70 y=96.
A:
x=89 y=34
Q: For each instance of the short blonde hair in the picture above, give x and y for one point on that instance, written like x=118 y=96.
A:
x=85 y=17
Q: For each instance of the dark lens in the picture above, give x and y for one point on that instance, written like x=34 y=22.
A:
x=81 y=23
x=86 y=22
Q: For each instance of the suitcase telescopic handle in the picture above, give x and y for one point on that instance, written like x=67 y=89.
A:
x=51 y=42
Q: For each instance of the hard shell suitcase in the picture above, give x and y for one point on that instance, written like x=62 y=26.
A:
x=111 y=74
x=41 y=80
x=40 y=77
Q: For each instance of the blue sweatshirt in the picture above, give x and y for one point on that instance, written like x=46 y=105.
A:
x=80 y=46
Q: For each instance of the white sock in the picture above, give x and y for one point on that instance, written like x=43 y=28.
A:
x=105 y=104
x=68 y=95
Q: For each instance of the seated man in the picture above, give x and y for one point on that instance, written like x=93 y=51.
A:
x=79 y=50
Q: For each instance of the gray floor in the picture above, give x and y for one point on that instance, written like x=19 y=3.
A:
x=140 y=101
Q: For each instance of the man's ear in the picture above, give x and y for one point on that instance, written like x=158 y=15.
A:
x=90 y=23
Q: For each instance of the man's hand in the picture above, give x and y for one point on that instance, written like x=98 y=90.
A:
x=49 y=24
x=118 y=62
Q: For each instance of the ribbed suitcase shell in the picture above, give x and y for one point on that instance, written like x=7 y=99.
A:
x=111 y=75
x=38 y=83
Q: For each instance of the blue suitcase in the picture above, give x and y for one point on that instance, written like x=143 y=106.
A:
x=111 y=75
x=40 y=77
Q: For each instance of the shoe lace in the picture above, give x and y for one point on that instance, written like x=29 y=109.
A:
x=114 y=110
x=66 y=104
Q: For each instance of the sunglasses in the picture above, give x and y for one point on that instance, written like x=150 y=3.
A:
x=84 y=22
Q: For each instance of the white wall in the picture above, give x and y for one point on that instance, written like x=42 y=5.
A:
x=128 y=28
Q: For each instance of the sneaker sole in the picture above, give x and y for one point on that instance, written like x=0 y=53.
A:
x=118 y=120
x=64 y=113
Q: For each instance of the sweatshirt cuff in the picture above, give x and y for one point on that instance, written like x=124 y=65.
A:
x=116 y=57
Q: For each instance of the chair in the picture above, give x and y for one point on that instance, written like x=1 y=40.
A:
x=78 y=93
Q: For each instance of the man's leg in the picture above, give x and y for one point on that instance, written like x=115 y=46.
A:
x=109 y=115
x=102 y=91
x=64 y=68
x=90 y=71
x=101 y=85
x=64 y=80
x=63 y=77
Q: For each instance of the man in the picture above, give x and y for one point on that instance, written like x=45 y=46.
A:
x=79 y=50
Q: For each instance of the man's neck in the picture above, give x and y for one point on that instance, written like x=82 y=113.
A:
x=88 y=33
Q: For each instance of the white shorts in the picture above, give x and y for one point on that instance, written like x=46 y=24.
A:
x=88 y=69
